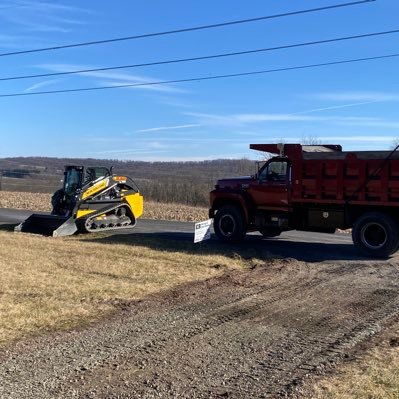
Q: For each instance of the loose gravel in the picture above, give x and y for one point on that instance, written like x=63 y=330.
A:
x=247 y=334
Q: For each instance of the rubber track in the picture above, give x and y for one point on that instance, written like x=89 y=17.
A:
x=81 y=222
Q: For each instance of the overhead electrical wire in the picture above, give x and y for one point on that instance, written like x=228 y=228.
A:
x=190 y=29
x=202 y=78
x=206 y=57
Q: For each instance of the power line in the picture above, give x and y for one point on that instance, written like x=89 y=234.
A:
x=201 y=78
x=191 y=29
x=206 y=57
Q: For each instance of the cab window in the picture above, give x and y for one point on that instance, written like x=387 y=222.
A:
x=275 y=171
x=93 y=174
x=72 y=181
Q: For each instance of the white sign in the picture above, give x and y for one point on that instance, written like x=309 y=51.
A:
x=202 y=230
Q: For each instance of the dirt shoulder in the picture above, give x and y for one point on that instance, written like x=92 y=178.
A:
x=372 y=371
x=253 y=333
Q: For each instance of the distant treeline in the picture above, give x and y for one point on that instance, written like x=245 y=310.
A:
x=19 y=173
x=182 y=182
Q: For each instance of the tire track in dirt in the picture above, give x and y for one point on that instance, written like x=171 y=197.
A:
x=256 y=333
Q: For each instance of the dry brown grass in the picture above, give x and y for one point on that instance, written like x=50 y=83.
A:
x=152 y=210
x=374 y=376
x=48 y=283
x=157 y=210
x=30 y=201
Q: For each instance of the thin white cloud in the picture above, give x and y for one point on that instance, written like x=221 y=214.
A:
x=111 y=78
x=253 y=118
x=209 y=140
x=157 y=145
x=125 y=151
x=38 y=27
x=44 y=6
x=43 y=16
x=360 y=139
x=335 y=107
x=240 y=120
x=253 y=134
x=162 y=128
x=383 y=124
x=23 y=42
x=41 y=84
x=356 y=96
x=173 y=102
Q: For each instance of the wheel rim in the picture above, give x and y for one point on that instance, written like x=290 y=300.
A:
x=373 y=235
x=227 y=225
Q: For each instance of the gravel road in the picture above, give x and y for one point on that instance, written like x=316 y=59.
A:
x=247 y=334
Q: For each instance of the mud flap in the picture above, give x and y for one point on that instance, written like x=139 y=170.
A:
x=48 y=225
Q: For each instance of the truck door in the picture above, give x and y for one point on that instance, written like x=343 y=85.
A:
x=271 y=189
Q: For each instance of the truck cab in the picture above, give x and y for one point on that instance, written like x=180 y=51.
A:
x=259 y=202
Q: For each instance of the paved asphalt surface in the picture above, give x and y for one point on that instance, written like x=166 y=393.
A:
x=306 y=246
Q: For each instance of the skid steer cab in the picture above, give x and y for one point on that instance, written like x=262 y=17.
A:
x=93 y=199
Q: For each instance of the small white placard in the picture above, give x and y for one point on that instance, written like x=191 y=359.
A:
x=202 y=230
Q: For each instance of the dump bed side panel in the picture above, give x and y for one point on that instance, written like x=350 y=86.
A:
x=336 y=181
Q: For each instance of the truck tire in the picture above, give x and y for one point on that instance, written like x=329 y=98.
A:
x=376 y=234
x=229 y=224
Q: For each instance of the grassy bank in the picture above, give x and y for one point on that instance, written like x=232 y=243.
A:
x=375 y=375
x=51 y=284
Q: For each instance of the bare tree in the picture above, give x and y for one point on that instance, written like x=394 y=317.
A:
x=395 y=143
x=310 y=140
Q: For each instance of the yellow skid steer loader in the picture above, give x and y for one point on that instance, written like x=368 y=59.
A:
x=92 y=200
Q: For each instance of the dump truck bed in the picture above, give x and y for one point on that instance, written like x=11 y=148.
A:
x=360 y=178
x=325 y=174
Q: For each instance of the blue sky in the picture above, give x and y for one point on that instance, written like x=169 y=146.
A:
x=355 y=105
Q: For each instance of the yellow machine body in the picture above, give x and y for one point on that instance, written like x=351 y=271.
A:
x=92 y=200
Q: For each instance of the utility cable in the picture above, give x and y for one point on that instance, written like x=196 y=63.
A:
x=206 y=57
x=201 y=78
x=191 y=29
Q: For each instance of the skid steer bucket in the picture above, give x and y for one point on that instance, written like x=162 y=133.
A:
x=48 y=225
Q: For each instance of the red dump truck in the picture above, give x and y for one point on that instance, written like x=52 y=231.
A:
x=314 y=188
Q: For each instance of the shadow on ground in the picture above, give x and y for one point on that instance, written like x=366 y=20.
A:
x=254 y=246
x=7 y=226
x=251 y=247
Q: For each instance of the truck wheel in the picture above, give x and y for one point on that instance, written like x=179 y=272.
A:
x=229 y=224
x=376 y=234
